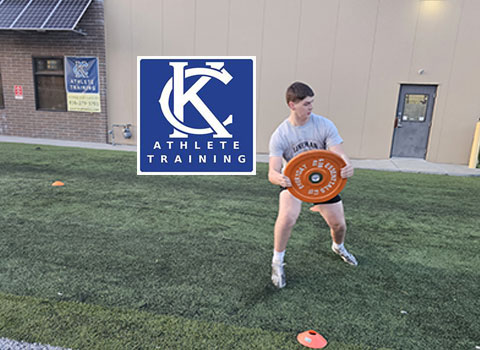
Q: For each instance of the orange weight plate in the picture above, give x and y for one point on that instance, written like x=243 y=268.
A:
x=315 y=175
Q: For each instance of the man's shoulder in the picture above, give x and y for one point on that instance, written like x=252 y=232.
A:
x=282 y=127
x=322 y=121
x=319 y=118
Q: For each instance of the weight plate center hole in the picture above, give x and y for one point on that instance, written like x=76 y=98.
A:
x=315 y=178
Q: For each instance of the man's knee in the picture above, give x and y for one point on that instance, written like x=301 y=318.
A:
x=288 y=219
x=338 y=226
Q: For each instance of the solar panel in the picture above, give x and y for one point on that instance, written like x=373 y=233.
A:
x=9 y=11
x=36 y=14
x=41 y=14
x=67 y=15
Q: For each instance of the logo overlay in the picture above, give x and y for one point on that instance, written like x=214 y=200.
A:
x=196 y=115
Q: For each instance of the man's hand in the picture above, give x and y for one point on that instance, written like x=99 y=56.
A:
x=347 y=171
x=274 y=173
x=282 y=180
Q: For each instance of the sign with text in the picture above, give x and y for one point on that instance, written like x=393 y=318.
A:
x=196 y=115
x=18 y=92
x=82 y=85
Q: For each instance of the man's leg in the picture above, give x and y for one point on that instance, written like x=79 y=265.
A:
x=288 y=211
x=335 y=218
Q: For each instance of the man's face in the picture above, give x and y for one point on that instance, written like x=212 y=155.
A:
x=303 y=108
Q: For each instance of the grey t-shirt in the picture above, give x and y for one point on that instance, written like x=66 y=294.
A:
x=287 y=140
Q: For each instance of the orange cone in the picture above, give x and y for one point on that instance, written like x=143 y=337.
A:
x=312 y=339
x=58 y=183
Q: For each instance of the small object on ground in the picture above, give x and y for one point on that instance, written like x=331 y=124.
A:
x=312 y=339
x=403 y=312
x=58 y=183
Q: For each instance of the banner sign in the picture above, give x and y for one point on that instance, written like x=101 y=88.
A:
x=196 y=115
x=81 y=83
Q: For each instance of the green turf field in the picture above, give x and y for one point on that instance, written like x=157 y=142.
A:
x=113 y=260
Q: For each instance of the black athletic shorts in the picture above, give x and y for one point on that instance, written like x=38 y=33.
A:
x=335 y=199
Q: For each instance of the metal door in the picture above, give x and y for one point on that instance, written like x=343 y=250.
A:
x=413 y=120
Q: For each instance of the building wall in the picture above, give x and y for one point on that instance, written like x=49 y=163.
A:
x=20 y=117
x=355 y=54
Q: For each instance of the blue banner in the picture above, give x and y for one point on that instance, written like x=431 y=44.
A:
x=81 y=83
x=81 y=75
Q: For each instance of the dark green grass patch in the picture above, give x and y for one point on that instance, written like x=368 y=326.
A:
x=83 y=326
x=198 y=249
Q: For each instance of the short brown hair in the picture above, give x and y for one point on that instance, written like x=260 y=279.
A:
x=298 y=91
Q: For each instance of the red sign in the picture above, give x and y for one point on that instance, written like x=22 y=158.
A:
x=18 y=92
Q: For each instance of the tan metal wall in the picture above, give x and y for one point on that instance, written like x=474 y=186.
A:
x=354 y=53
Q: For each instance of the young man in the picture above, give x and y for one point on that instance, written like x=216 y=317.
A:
x=300 y=132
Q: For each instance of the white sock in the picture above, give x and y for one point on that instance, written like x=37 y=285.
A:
x=337 y=246
x=278 y=257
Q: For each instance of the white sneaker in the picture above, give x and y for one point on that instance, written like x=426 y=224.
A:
x=345 y=255
x=278 y=275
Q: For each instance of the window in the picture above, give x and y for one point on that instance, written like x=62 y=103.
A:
x=2 y=102
x=415 y=109
x=50 y=84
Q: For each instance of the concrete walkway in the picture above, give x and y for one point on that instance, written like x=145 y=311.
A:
x=411 y=165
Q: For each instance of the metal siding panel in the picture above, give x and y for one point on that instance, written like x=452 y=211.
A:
x=245 y=39
x=351 y=70
x=121 y=64
x=462 y=105
x=211 y=30
x=179 y=27
x=276 y=65
x=315 y=48
x=394 y=39
x=147 y=19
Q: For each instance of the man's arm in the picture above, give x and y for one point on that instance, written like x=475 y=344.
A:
x=347 y=171
x=275 y=175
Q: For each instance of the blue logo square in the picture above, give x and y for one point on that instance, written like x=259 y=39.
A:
x=196 y=115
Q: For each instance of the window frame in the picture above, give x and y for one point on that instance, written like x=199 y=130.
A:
x=47 y=73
